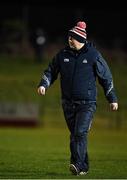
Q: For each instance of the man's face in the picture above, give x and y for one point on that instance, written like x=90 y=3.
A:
x=73 y=43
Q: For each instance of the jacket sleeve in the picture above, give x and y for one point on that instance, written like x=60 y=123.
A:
x=50 y=74
x=105 y=78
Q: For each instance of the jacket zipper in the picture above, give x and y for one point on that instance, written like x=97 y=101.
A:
x=73 y=75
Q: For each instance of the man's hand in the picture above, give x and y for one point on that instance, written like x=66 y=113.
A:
x=114 y=106
x=41 y=90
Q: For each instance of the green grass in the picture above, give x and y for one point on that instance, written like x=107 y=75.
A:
x=43 y=153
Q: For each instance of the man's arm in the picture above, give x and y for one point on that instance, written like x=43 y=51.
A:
x=49 y=76
x=106 y=80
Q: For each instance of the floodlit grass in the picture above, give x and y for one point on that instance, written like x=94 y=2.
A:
x=43 y=153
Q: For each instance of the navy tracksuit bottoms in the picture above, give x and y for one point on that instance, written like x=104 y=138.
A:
x=79 y=117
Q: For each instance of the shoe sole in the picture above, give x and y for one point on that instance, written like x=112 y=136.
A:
x=82 y=173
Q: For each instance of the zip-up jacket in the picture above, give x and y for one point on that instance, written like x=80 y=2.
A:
x=78 y=73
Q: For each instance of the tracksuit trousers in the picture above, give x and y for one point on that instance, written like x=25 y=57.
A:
x=79 y=117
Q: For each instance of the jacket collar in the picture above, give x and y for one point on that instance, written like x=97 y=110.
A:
x=73 y=51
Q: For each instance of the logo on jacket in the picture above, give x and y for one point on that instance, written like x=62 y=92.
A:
x=66 y=60
x=84 y=61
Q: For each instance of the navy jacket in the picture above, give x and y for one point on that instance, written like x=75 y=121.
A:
x=78 y=72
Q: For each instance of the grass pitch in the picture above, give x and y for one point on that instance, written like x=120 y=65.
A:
x=43 y=153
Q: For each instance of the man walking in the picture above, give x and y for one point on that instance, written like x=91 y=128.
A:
x=79 y=65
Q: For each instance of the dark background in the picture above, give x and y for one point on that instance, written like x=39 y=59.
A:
x=106 y=21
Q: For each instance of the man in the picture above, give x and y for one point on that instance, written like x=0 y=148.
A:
x=78 y=65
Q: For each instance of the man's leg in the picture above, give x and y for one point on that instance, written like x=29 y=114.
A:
x=83 y=120
x=69 y=114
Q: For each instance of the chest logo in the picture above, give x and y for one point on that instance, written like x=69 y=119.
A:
x=66 y=60
x=84 y=61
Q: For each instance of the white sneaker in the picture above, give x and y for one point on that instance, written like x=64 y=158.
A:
x=83 y=173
